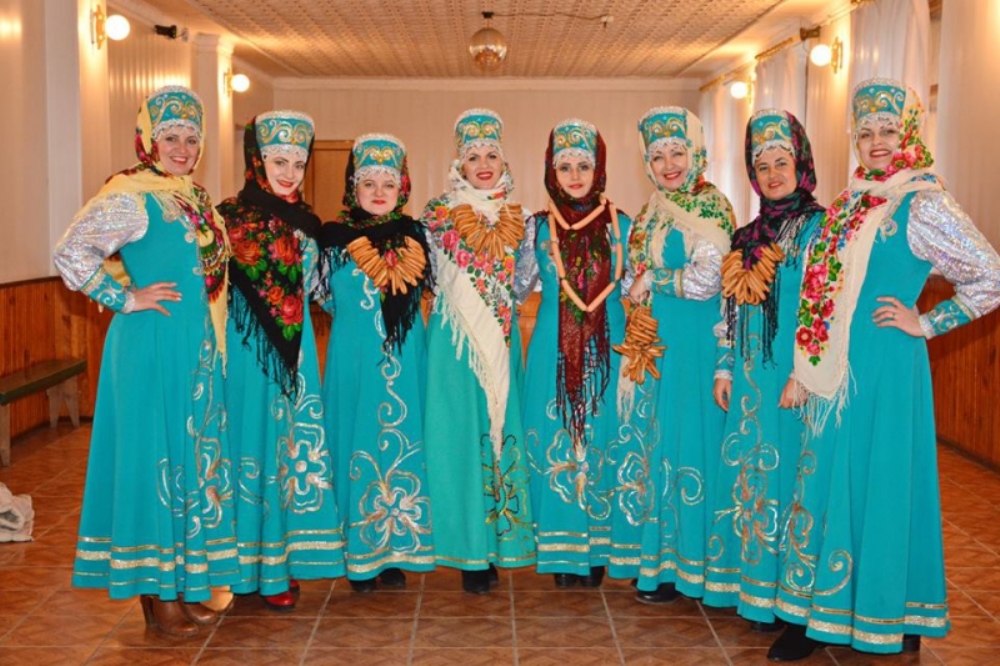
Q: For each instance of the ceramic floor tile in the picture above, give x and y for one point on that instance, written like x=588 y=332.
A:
x=50 y=656
x=109 y=656
x=622 y=604
x=603 y=656
x=655 y=633
x=970 y=632
x=750 y=656
x=464 y=657
x=132 y=632
x=262 y=632
x=259 y=657
x=551 y=632
x=22 y=602
x=34 y=578
x=674 y=657
x=967 y=656
x=355 y=657
x=362 y=632
x=535 y=603
x=310 y=604
x=847 y=657
x=464 y=632
x=75 y=601
x=459 y=604
x=58 y=631
x=378 y=604
x=737 y=632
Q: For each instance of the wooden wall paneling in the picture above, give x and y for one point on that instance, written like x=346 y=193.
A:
x=966 y=373
x=28 y=337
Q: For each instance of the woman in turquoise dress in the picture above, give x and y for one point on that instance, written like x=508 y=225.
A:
x=576 y=248
x=864 y=561
x=287 y=523
x=676 y=248
x=476 y=463
x=157 y=515
x=760 y=449
x=375 y=363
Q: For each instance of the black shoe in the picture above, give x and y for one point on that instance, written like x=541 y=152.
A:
x=564 y=581
x=494 y=576
x=476 y=582
x=911 y=642
x=366 y=586
x=767 y=627
x=792 y=645
x=393 y=578
x=664 y=594
x=594 y=578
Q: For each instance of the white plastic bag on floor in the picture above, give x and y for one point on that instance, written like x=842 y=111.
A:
x=17 y=518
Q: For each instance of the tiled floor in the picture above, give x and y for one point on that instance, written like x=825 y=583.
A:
x=526 y=621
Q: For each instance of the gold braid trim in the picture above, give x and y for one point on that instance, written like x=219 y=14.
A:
x=396 y=269
x=639 y=347
x=480 y=235
x=750 y=286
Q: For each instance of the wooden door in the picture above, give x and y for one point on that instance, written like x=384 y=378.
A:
x=324 y=181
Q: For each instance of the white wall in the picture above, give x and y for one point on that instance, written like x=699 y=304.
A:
x=24 y=252
x=136 y=67
x=422 y=114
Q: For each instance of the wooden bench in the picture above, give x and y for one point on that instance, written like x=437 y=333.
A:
x=58 y=377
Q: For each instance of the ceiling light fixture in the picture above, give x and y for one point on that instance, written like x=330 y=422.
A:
x=488 y=47
x=739 y=89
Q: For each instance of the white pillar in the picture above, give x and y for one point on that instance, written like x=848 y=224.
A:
x=213 y=58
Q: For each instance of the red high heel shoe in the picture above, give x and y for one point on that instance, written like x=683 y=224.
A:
x=283 y=602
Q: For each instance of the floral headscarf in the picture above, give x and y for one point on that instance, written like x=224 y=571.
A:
x=772 y=129
x=584 y=347
x=269 y=299
x=696 y=207
x=390 y=234
x=164 y=109
x=838 y=259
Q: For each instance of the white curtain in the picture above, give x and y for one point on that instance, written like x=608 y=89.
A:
x=826 y=120
x=891 y=39
x=968 y=136
x=781 y=82
x=725 y=119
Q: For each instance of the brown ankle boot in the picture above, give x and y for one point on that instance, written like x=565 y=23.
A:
x=167 y=617
x=198 y=613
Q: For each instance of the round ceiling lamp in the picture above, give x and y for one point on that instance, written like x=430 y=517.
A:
x=488 y=46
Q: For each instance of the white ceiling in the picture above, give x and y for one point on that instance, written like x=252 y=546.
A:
x=429 y=38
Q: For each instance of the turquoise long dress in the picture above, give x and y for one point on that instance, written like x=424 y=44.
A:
x=684 y=457
x=572 y=492
x=864 y=560
x=480 y=502
x=375 y=417
x=157 y=514
x=288 y=523
x=760 y=452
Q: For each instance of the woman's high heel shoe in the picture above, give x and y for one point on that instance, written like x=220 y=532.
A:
x=167 y=617
x=198 y=613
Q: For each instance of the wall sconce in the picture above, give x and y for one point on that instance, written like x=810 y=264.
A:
x=739 y=89
x=235 y=82
x=488 y=46
x=103 y=27
x=822 y=55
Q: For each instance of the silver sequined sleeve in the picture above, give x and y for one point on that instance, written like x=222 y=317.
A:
x=526 y=273
x=702 y=278
x=940 y=232
x=104 y=226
